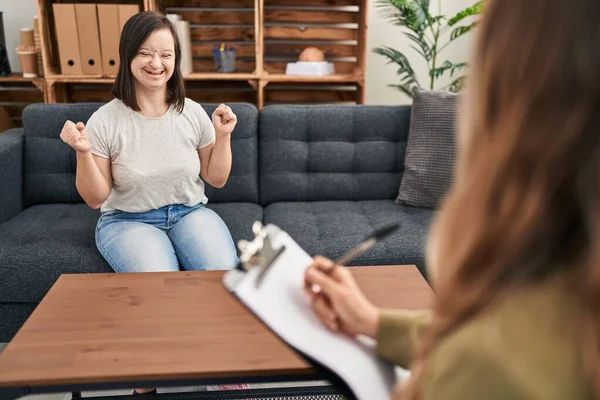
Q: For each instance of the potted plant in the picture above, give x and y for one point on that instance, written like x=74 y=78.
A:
x=430 y=34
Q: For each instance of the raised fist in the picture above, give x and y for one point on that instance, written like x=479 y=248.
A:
x=75 y=136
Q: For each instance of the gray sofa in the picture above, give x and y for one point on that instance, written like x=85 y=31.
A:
x=326 y=174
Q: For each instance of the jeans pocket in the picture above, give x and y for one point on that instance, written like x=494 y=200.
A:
x=106 y=217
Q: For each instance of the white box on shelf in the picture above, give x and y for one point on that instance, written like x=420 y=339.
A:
x=305 y=68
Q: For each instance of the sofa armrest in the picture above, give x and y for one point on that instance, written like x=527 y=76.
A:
x=11 y=173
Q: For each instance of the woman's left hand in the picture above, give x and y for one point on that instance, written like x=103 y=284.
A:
x=224 y=120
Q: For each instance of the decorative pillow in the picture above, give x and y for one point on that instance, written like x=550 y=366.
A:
x=431 y=149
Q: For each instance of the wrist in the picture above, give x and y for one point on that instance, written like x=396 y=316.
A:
x=371 y=322
x=83 y=153
x=223 y=135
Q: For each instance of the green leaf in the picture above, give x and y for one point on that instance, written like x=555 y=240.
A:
x=422 y=43
x=458 y=67
x=424 y=10
x=467 y=12
x=420 y=51
x=407 y=13
x=407 y=89
x=419 y=7
x=456 y=85
x=437 y=72
x=438 y=18
x=405 y=72
x=461 y=30
x=447 y=65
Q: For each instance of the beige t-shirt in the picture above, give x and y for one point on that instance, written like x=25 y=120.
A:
x=154 y=161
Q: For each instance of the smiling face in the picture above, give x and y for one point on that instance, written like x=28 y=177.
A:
x=154 y=63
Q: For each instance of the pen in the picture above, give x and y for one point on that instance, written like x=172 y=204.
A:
x=366 y=244
x=363 y=246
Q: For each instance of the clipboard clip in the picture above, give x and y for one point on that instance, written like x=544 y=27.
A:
x=259 y=253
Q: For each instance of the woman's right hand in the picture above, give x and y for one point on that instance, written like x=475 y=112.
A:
x=339 y=302
x=76 y=137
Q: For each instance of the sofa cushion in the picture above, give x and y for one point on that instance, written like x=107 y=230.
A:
x=321 y=153
x=431 y=150
x=45 y=241
x=12 y=317
x=242 y=185
x=239 y=218
x=11 y=172
x=50 y=164
x=331 y=228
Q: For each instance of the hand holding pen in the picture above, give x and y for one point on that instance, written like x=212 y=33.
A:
x=336 y=298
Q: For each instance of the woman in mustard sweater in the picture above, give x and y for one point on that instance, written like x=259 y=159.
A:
x=515 y=249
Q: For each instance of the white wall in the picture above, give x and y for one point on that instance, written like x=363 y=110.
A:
x=17 y=14
x=383 y=33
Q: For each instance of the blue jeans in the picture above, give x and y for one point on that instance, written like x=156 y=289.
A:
x=170 y=238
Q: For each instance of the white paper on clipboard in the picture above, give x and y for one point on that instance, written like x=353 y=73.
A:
x=280 y=302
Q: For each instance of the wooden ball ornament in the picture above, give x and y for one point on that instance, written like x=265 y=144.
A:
x=312 y=54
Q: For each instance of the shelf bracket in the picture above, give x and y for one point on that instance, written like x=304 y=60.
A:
x=50 y=91
x=39 y=83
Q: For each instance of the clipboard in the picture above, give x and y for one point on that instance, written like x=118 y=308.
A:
x=269 y=282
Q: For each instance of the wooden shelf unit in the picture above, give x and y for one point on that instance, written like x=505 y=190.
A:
x=17 y=92
x=18 y=78
x=313 y=79
x=267 y=34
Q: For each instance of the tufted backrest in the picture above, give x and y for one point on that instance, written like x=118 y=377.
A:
x=242 y=185
x=320 y=153
x=49 y=165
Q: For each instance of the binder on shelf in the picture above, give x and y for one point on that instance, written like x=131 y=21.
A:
x=174 y=18
x=126 y=11
x=108 y=22
x=67 y=39
x=183 y=31
x=87 y=27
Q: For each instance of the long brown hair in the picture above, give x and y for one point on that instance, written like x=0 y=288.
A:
x=525 y=204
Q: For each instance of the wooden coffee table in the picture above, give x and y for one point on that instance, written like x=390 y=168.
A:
x=103 y=331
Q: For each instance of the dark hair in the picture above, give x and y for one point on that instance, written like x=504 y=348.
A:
x=525 y=205
x=135 y=32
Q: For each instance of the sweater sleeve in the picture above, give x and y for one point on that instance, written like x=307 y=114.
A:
x=467 y=373
x=400 y=333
